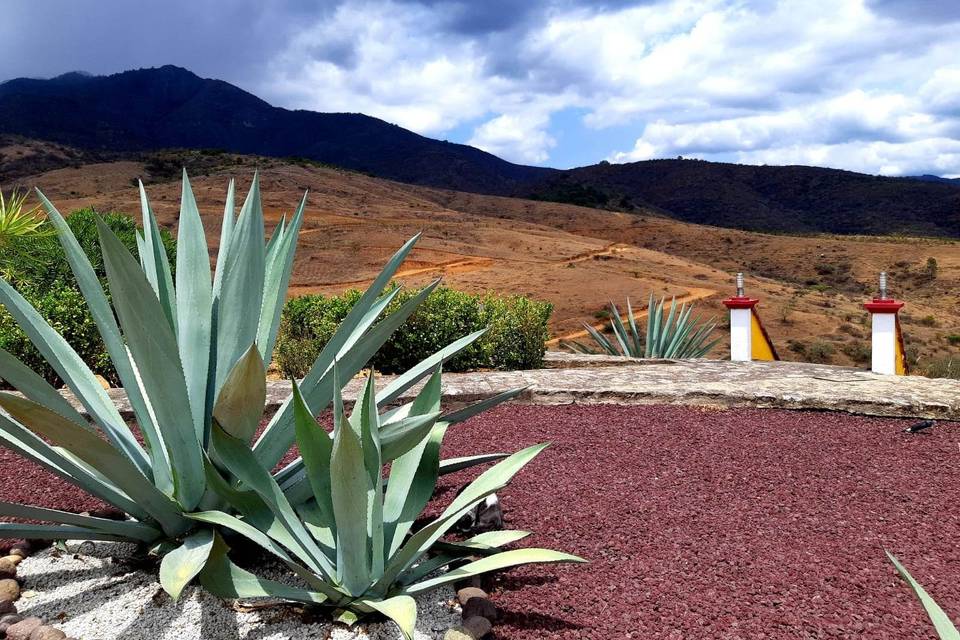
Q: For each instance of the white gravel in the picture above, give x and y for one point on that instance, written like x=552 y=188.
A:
x=90 y=593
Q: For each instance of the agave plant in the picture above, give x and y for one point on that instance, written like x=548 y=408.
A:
x=191 y=355
x=941 y=621
x=346 y=529
x=674 y=336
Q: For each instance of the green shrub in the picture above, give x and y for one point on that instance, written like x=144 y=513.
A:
x=954 y=339
x=48 y=284
x=820 y=352
x=858 y=351
x=515 y=338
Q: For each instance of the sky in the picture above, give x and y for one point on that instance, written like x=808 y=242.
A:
x=864 y=85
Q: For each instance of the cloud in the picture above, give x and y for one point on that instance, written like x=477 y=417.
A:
x=521 y=136
x=870 y=85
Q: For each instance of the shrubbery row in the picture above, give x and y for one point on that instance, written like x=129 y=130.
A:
x=515 y=339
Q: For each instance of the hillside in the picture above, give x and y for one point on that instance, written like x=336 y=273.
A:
x=126 y=116
x=789 y=199
x=578 y=258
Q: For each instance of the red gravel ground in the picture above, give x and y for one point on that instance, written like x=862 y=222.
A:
x=704 y=523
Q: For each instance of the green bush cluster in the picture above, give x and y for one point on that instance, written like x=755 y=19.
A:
x=515 y=339
x=37 y=267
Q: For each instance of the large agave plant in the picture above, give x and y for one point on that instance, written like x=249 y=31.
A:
x=191 y=355
x=345 y=529
x=674 y=336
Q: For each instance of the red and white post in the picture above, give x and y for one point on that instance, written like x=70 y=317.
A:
x=887 y=343
x=741 y=324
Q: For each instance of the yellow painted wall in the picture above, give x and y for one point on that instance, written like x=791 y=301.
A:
x=759 y=343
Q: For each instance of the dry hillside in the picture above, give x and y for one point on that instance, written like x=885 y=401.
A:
x=578 y=258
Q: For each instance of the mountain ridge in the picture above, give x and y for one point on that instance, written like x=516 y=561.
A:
x=171 y=107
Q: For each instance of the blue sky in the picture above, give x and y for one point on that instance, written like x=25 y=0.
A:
x=866 y=85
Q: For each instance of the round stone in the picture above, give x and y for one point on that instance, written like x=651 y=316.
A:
x=9 y=590
x=477 y=626
x=14 y=559
x=482 y=607
x=457 y=633
x=47 y=633
x=7 y=569
x=463 y=595
x=23 y=629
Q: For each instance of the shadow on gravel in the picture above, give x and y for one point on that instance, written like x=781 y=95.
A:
x=537 y=621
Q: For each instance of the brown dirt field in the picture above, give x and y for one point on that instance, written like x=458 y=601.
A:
x=811 y=288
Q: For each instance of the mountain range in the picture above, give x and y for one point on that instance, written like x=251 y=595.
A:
x=171 y=107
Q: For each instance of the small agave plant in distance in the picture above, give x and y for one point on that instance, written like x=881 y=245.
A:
x=674 y=336
x=191 y=353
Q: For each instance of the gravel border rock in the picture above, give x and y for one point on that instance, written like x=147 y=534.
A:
x=94 y=592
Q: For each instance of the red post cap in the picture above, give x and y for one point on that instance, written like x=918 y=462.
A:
x=883 y=305
x=740 y=302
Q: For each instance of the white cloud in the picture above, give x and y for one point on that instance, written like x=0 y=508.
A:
x=833 y=82
x=520 y=136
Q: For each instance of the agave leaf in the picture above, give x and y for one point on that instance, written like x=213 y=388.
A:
x=319 y=525
x=490 y=481
x=601 y=340
x=129 y=529
x=21 y=440
x=226 y=233
x=87 y=446
x=236 y=525
x=494 y=563
x=242 y=398
x=486 y=543
x=223 y=578
x=182 y=565
x=366 y=418
x=315 y=448
x=619 y=331
x=153 y=346
x=652 y=324
x=416 y=373
x=194 y=306
x=401 y=436
x=349 y=490
x=413 y=475
x=941 y=621
x=106 y=322
x=479 y=407
x=278 y=436
x=452 y=465
x=56 y=532
x=238 y=458
x=23 y=379
x=154 y=261
x=277 y=280
x=74 y=371
x=637 y=344
x=401 y=609
x=242 y=287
